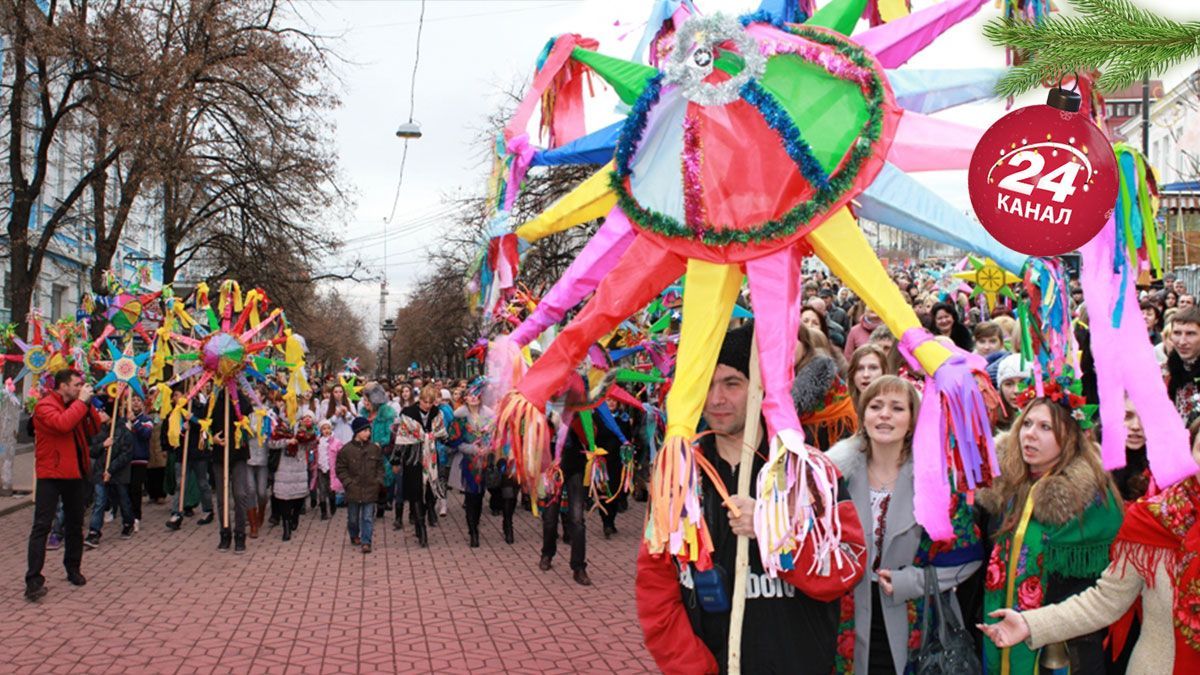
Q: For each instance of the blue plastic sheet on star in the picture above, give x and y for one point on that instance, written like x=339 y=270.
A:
x=927 y=91
x=594 y=148
x=898 y=200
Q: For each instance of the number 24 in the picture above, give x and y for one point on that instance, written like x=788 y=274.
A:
x=1060 y=182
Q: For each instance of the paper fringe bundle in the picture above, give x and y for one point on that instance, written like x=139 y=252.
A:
x=676 y=525
x=797 y=503
x=952 y=442
x=520 y=425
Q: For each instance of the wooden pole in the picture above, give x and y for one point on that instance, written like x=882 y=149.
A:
x=226 y=444
x=187 y=429
x=750 y=438
x=112 y=426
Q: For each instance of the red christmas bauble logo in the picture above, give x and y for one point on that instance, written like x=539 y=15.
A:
x=1043 y=181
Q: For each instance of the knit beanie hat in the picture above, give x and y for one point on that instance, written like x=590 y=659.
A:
x=735 y=351
x=1010 y=369
x=359 y=424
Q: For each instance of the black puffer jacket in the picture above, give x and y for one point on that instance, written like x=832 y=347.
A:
x=122 y=455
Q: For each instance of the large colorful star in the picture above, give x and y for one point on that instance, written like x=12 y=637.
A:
x=125 y=368
x=989 y=280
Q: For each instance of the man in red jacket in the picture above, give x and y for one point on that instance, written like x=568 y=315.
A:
x=790 y=622
x=63 y=423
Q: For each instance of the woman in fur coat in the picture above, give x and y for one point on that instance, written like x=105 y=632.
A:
x=1155 y=559
x=820 y=394
x=1054 y=512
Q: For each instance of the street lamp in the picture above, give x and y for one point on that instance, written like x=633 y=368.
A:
x=389 y=331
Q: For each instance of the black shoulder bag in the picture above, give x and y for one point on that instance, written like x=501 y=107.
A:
x=948 y=650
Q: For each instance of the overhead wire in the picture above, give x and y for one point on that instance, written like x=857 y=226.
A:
x=412 y=106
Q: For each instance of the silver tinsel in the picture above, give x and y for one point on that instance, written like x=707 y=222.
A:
x=693 y=59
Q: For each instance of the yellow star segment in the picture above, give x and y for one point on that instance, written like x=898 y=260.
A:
x=989 y=280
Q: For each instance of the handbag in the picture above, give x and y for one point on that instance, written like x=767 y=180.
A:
x=948 y=650
x=492 y=476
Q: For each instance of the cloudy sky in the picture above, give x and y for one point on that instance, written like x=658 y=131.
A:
x=471 y=51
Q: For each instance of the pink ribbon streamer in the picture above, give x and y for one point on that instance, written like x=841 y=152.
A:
x=895 y=42
x=522 y=153
x=1125 y=364
x=595 y=261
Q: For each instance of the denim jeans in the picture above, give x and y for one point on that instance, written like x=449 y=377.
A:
x=256 y=479
x=100 y=505
x=360 y=520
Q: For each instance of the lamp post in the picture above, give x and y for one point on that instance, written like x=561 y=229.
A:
x=389 y=331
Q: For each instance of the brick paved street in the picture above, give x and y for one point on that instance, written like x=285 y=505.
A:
x=168 y=602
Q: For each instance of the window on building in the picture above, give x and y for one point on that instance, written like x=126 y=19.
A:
x=58 y=293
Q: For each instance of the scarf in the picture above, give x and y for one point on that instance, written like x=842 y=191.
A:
x=1165 y=529
x=1024 y=560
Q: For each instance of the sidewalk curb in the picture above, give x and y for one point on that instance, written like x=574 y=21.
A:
x=24 y=502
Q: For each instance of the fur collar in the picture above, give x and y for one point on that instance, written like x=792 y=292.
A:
x=848 y=455
x=813 y=382
x=1059 y=499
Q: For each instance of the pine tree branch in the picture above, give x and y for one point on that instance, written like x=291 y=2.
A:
x=1121 y=40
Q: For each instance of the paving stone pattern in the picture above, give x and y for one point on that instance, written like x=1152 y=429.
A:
x=169 y=602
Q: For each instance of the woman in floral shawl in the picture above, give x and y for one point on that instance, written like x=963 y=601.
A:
x=1056 y=512
x=470 y=436
x=1156 y=558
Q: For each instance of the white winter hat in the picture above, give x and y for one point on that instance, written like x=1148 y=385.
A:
x=1010 y=369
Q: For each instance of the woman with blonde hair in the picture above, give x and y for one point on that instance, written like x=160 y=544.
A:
x=1055 y=511
x=882 y=618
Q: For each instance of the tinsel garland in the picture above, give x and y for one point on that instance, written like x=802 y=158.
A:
x=799 y=216
x=635 y=125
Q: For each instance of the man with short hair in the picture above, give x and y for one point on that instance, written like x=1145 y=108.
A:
x=1183 y=369
x=790 y=622
x=63 y=421
x=1186 y=301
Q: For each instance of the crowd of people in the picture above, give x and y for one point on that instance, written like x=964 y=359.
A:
x=411 y=442
x=1055 y=551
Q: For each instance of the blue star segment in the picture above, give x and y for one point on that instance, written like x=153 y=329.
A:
x=125 y=369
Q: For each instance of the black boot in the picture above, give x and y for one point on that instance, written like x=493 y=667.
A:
x=398 y=523
x=239 y=542
x=474 y=507
x=510 y=507
x=421 y=529
x=324 y=511
x=226 y=540
x=286 y=518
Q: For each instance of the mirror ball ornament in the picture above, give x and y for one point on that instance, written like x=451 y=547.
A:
x=1043 y=179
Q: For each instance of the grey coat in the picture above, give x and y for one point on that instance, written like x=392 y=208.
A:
x=900 y=543
x=291 y=478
